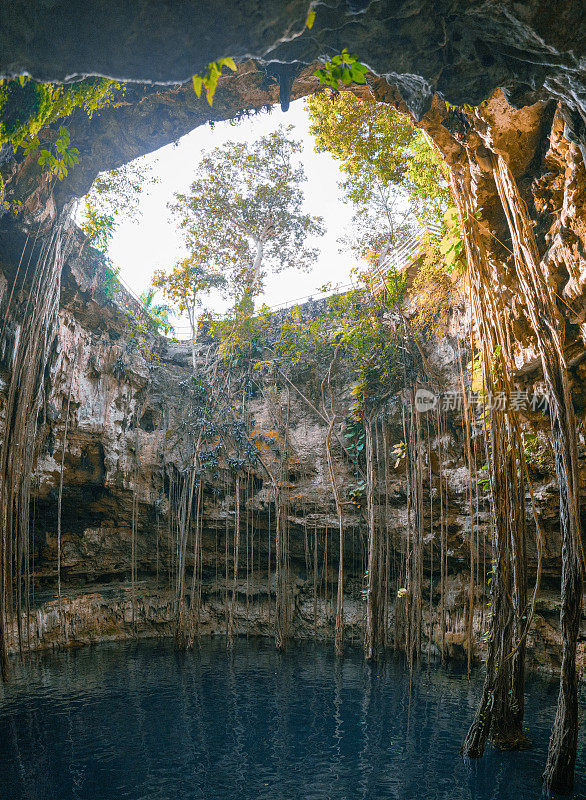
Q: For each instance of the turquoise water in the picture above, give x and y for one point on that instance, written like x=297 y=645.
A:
x=143 y=722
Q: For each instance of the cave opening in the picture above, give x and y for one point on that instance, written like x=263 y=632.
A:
x=393 y=464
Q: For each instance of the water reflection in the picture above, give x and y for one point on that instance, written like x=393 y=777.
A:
x=142 y=721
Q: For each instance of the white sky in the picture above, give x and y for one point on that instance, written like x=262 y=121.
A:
x=154 y=242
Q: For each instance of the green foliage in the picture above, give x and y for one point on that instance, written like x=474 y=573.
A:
x=158 y=312
x=357 y=492
x=89 y=94
x=248 y=199
x=427 y=181
x=466 y=107
x=209 y=80
x=476 y=377
x=392 y=175
x=343 y=68
x=114 y=196
x=434 y=289
x=61 y=156
x=484 y=481
x=311 y=340
x=349 y=325
x=537 y=451
x=355 y=442
x=110 y=280
x=244 y=336
x=27 y=106
x=185 y=286
x=98 y=227
x=186 y=282
x=138 y=334
x=345 y=327
x=452 y=243
x=24 y=109
x=371 y=140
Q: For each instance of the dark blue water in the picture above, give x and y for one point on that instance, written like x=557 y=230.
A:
x=142 y=722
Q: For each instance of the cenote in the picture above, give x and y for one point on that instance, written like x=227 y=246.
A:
x=293 y=475
x=142 y=721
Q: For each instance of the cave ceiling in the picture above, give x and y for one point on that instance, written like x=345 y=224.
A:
x=461 y=49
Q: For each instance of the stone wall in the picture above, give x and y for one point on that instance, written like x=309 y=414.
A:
x=124 y=388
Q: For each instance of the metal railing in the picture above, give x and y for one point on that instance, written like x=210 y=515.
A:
x=394 y=262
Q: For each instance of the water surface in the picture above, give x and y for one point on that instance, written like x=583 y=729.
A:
x=142 y=722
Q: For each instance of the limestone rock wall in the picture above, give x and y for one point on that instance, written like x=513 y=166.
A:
x=123 y=391
x=125 y=388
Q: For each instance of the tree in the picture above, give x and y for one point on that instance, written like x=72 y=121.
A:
x=114 y=195
x=243 y=213
x=427 y=181
x=184 y=286
x=158 y=312
x=391 y=173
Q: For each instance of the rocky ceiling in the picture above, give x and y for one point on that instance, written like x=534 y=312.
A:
x=461 y=49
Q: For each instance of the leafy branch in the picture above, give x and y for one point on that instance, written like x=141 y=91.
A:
x=344 y=68
x=63 y=158
x=209 y=80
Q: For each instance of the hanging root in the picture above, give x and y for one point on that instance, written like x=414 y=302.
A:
x=21 y=411
x=500 y=713
x=548 y=326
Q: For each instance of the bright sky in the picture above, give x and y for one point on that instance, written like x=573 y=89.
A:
x=154 y=242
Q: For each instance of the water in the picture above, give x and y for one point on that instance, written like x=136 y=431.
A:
x=140 y=721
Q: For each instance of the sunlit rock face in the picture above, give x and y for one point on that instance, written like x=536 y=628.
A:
x=124 y=397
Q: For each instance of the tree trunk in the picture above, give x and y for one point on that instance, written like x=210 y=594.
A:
x=561 y=757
